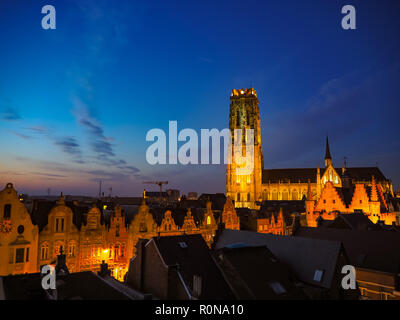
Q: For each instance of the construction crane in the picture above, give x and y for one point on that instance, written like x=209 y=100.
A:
x=159 y=183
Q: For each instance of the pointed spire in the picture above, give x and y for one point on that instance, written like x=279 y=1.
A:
x=61 y=200
x=327 y=151
x=374 y=191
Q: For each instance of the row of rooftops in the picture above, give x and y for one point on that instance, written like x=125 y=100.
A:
x=40 y=210
x=248 y=265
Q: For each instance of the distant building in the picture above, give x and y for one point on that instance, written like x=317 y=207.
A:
x=192 y=196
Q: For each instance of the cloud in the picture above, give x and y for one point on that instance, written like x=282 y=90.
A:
x=39 y=129
x=49 y=174
x=10 y=114
x=99 y=143
x=21 y=135
x=68 y=145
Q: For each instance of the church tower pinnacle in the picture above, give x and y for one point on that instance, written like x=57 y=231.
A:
x=328 y=157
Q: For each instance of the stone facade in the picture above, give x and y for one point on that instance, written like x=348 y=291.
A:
x=359 y=198
x=18 y=235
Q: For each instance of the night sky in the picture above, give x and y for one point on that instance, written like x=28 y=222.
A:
x=76 y=102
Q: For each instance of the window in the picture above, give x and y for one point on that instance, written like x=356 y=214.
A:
x=333 y=201
x=59 y=224
x=318 y=275
x=27 y=255
x=248 y=197
x=277 y=287
x=360 y=201
x=142 y=227
x=71 y=249
x=183 y=245
x=44 y=251
x=19 y=255
x=117 y=230
x=57 y=249
x=237 y=118
x=7 y=211
x=208 y=220
x=238 y=197
x=324 y=201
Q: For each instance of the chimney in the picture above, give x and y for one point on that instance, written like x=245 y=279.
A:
x=104 y=271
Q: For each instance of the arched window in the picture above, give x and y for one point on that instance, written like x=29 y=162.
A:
x=44 y=251
x=285 y=195
x=71 y=249
x=237 y=118
x=295 y=195
x=238 y=197
x=57 y=248
x=275 y=195
x=208 y=220
x=248 y=197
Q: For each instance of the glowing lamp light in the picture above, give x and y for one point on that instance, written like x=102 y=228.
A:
x=104 y=207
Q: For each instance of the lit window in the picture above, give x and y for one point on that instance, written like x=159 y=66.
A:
x=44 y=251
x=71 y=250
x=208 y=220
x=318 y=275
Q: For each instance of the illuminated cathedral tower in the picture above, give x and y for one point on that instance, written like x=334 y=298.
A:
x=245 y=114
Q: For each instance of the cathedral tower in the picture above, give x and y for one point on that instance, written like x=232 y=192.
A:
x=245 y=114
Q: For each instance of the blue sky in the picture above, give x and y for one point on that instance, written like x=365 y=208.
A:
x=76 y=102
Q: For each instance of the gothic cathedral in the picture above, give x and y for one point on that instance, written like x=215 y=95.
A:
x=284 y=184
